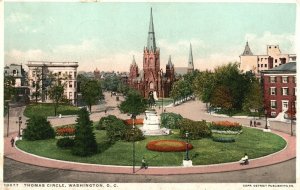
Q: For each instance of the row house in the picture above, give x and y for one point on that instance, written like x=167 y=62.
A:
x=41 y=73
x=279 y=85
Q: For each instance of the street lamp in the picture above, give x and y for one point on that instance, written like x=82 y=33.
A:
x=20 y=123
x=162 y=90
x=187 y=146
x=7 y=132
x=266 y=112
x=133 y=117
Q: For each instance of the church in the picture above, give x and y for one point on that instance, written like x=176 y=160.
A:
x=152 y=79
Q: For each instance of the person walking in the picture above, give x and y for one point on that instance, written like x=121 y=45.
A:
x=12 y=142
x=254 y=123
x=250 y=123
x=144 y=164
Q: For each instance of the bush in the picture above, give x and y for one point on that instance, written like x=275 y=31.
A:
x=85 y=142
x=128 y=134
x=115 y=130
x=65 y=142
x=104 y=121
x=225 y=126
x=170 y=120
x=38 y=128
x=224 y=139
x=196 y=129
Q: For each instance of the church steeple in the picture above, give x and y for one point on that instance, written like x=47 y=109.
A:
x=247 y=50
x=133 y=61
x=170 y=61
x=191 y=62
x=151 y=45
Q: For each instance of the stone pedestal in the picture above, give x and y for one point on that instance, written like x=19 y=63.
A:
x=187 y=163
x=151 y=121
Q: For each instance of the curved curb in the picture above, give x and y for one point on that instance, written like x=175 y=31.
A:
x=287 y=153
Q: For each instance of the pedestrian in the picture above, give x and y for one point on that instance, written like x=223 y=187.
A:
x=144 y=165
x=254 y=123
x=244 y=160
x=250 y=123
x=12 y=142
x=165 y=110
x=105 y=111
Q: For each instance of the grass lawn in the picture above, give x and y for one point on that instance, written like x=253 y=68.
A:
x=252 y=141
x=48 y=110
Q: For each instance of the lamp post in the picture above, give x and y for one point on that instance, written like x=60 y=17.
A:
x=266 y=112
x=20 y=123
x=292 y=118
x=162 y=90
x=187 y=146
x=133 y=117
x=7 y=132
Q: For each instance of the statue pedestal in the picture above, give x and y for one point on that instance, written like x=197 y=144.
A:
x=151 y=121
x=187 y=163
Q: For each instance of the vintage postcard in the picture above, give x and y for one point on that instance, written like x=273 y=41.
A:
x=168 y=95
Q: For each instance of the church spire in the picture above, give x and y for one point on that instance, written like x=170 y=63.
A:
x=191 y=62
x=133 y=61
x=151 y=36
x=170 y=61
x=247 y=50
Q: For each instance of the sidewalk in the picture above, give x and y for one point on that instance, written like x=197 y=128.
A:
x=286 y=154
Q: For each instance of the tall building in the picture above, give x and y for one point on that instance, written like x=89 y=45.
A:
x=257 y=63
x=279 y=85
x=151 y=78
x=39 y=75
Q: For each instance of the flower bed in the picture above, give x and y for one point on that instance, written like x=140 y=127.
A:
x=68 y=130
x=168 y=146
x=225 y=126
x=136 y=121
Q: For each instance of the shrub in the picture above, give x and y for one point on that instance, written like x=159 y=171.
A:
x=85 y=142
x=38 y=128
x=104 y=121
x=225 y=126
x=170 y=120
x=64 y=131
x=224 y=139
x=115 y=130
x=128 y=134
x=196 y=129
x=65 y=142
x=168 y=146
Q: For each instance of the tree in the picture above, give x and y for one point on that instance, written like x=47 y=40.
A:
x=254 y=98
x=9 y=89
x=56 y=93
x=85 y=142
x=222 y=97
x=204 y=85
x=38 y=128
x=91 y=92
x=133 y=104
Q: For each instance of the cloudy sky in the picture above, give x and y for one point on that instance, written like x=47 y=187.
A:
x=107 y=35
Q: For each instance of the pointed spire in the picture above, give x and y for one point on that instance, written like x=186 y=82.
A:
x=191 y=61
x=170 y=61
x=151 y=36
x=247 y=50
x=133 y=61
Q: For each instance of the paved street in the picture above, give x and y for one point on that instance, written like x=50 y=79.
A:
x=18 y=172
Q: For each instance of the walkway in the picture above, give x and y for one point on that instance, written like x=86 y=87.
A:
x=194 y=110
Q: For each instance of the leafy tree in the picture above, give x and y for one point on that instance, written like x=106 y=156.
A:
x=91 y=92
x=105 y=121
x=254 y=98
x=9 y=90
x=196 y=129
x=204 y=85
x=85 y=142
x=38 y=128
x=133 y=104
x=56 y=93
x=222 y=97
x=115 y=130
x=170 y=120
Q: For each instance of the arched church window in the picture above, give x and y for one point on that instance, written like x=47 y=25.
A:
x=151 y=85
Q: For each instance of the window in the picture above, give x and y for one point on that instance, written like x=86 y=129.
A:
x=269 y=47
x=272 y=79
x=285 y=79
x=75 y=73
x=257 y=65
x=266 y=65
x=261 y=65
x=261 y=59
x=33 y=84
x=273 y=104
x=275 y=60
x=70 y=84
x=285 y=91
x=59 y=73
x=273 y=114
x=74 y=84
x=272 y=91
x=70 y=95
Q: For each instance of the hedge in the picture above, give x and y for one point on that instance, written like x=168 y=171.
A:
x=170 y=120
x=223 y=139
x=196 y=129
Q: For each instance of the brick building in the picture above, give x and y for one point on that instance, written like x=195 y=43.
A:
x=279 y=85
x=152 y=78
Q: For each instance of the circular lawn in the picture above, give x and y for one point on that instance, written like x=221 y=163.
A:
x=254 y=142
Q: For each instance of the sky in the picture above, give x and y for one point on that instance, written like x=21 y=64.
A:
x=107 y=35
